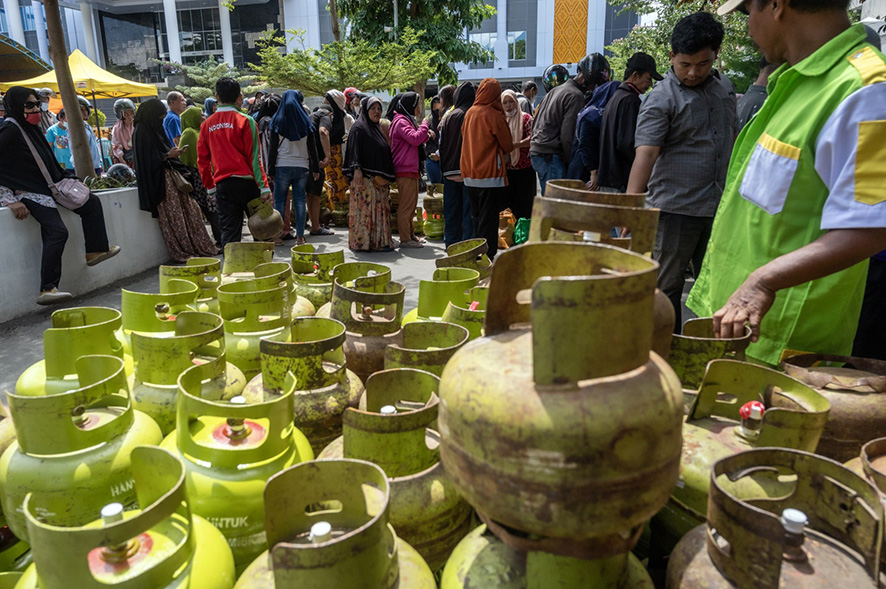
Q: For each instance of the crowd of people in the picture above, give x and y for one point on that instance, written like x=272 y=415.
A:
x=778 y=190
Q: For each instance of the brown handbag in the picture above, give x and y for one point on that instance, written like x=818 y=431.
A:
x=181 y=183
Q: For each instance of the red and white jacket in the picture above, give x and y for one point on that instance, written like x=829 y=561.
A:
x=229 y=147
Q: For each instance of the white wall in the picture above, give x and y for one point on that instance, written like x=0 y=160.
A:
x=135 y=231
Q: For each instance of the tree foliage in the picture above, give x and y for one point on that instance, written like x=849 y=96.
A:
x=444 y=23
x=205 y=74
x=354 y=62
x=739 y=58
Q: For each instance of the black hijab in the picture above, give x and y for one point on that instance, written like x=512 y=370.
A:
x=19 y=170
x=406 y=107
x=392 y=106
x=464 y=99
x=367 y=147
x=150 y=146
x=337 y=134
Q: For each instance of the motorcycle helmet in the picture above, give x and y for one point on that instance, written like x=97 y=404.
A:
x=84 y=104
x=121 y=105
x=594 y=68
x=554 y=76
x=121 y=173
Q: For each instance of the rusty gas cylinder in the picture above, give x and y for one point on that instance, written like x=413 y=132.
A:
x=871 y=464
x=242 y=257
x=824 y=532
x=272 y=273
x=370 y=305
x=197 y=338
x=470 y=312
x=312 y=351
x=697 y=345
x=470 y=253
x=856 y=389
x=563 y=433
x=739 y=406
x=312 y=273
x=448 y=285
x=155 y=313
x=203 y=272
x=265 y=223
x=394 y=428
x=427 y=346
x=327 y=526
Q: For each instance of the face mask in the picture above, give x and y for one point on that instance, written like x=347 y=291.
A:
x=44 y=106
x=510 y=111
x=33 y=118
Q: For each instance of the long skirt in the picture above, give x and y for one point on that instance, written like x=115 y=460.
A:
x=336 y=181
x=181 y=225
x=369 y=217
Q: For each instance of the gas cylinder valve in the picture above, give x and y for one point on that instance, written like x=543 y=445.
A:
x=751 y=419
x=794 y=522
x=111 y=514
x=237 y=428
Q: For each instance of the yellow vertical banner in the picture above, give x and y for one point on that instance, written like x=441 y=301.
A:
x=570 y=30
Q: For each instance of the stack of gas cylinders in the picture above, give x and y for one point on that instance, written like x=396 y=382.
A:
x=533 y=423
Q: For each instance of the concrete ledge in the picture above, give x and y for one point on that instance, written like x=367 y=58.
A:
x=135 y=231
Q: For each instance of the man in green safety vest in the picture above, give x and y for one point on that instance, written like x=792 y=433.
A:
x=804 y=205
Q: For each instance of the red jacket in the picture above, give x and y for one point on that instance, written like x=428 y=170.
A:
x=229 y=146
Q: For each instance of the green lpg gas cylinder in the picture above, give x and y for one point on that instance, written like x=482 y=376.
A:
x=371 y=306
x=419 y=222
x=14 y=554
x=392 y=429
x=230 y=450
x=871 y=464
x=433 y=225
x=272 y=273
x=739 y=406
x=697 y=345
x=448 y=285
x=75 y=332
x=158 y=544
x=241 y=258
x=823 y=532
x=426 y=346
x=74 y=447
x=155 y=313
x=470 y=253
x=470 y=313
x=562 y=431
x=204 y=272
x=327 y=525
x=252 y=309
x=199 y=338
x=482 y=560
x=312 y=351
x=312 y=273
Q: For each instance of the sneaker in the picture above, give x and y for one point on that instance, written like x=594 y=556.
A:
x=93 y=259
x=53 y=297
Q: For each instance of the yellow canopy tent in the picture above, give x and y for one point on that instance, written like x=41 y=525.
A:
x=89 y=80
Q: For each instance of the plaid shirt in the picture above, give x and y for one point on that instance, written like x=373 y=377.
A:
x=695 y=128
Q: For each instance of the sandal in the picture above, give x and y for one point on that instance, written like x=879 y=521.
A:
x=299 y=241
x=412 y=244
x=323 y=231
x=288 y=236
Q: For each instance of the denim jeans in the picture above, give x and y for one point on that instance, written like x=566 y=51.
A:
x=287 y=176
x=457 y=223
x=435 y=175
x=548 y=166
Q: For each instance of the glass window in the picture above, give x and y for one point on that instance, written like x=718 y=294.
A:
x=516 y=45
x=487 y=40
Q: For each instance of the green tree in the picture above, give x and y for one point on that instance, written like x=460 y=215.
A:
x=444 y=23
x=205 y=74
x=739 y=58
x=355 y=62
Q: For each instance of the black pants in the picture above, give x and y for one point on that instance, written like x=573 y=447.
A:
x=486 y=204
x=232 y=195
x=521 y=192
x=681 y=239
x=870 y=339
x=55 y=235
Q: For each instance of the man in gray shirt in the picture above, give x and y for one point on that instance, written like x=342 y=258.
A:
x=753 y=99
x=685 y=131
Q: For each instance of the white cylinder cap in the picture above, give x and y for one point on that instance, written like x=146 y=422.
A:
x=388 y=410
x=587 y=235
x=757 y=413
x=371 y=273
x=238 y=400
x=794 y=521
x=321 y=532
x=112 y=513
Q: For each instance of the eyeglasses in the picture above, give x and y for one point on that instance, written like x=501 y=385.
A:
x=32 y=104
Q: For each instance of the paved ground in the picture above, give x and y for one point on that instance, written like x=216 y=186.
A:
x=22 y=338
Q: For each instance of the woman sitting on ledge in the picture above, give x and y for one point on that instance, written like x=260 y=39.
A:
x=24 y=190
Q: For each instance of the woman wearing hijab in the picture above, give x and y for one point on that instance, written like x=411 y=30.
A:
x=292 y=154
x=192 y=118
x=352 y=102
x=457 y=223
x=336 y=183
x=521 y=179
x=486 y=144
x=370 y=167
x=432 y=164
x=385 y=123
x=447 y=98
x=24 y=190
x=178 y=214
x=121 y=134
x=270 y=106
x=407 y=137
x=209 y=106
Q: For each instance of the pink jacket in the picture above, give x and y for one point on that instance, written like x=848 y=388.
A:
x=404 y=144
